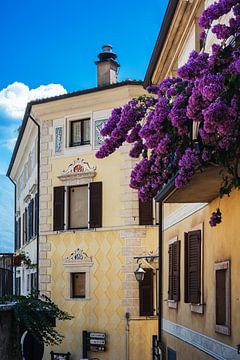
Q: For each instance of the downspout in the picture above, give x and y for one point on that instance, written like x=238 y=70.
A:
x=161 y=197
x=14 y=226
x=127 y=316
x=38 y=191
x=160 y=274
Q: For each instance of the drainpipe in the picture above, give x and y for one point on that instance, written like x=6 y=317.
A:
x=38 y=190
x=14 y=226
x=160 y=274
x=161 y=197
x=127 y=316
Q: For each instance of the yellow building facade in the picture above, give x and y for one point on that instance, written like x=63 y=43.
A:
x=206 y=326
x=90 y=225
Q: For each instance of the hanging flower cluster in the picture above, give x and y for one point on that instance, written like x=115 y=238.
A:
x=207 y=93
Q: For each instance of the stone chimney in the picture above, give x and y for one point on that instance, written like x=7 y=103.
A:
x=107 y=67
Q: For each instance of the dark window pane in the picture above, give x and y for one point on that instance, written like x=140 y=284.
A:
x=76 y=133
x=221 y=316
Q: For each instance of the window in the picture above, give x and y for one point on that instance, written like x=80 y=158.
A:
x=146 y=294
x=222 y=297
x=145 y=212
x=78 y=207
x=80 y=132
x=84 y=205
x=192 y=264
x=78 y=284
x=174 y=271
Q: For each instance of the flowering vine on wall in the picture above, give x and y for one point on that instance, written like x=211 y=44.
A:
x=205 y=93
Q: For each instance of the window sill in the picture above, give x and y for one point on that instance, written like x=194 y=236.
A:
x=172 y=304
x=197 y=308
x=223 y=329
x=78 y=299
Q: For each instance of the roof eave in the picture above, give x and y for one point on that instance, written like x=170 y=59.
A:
x=169 y=14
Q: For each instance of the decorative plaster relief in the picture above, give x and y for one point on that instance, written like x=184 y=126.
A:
x=79 y=256
x=98 y=125
x=58 y=139
x=76 y=172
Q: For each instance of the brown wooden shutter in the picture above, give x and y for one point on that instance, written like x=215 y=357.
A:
x=58 y=208
x=25 y=226
x=186 y=297
x=170 y=272
x=176 y=271
x=194 y=267
x=95 y=205
x=146 y=294
x=146 y=212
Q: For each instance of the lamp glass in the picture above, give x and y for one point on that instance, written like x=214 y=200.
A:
x=139 y=274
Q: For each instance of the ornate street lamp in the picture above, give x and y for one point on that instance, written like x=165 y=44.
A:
x=139 y=273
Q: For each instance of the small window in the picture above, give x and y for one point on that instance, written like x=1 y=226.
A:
x=80 y=132
x=222 y=299
x=78 y=282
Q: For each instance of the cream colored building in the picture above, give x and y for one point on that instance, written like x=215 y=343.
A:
x=89 y=222
x=202 y=322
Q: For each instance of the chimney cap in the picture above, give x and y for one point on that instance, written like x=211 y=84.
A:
x=107 y=53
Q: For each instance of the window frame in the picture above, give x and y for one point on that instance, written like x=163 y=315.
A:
x=83 y=142
x=69 y=206
x=72 y=291
x=224 y=265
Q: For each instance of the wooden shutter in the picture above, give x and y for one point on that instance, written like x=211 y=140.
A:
x=174 y=271
x=193 y=267
x=145 y=212
x=146 y=294
x=170 y=272
x=25 y=226
x=95 y=205
x=19 y=232
x=30 y=219
x=36 y=214
x=16 y=233
x=58 y=208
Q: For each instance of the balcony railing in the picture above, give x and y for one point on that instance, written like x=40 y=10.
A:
x=6 y=274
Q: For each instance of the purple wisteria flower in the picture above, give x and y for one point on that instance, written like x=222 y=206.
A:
x=216 y=218
x=202 y=101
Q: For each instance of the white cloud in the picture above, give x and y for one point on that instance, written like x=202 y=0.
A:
x=9 y=143
x=14 y=98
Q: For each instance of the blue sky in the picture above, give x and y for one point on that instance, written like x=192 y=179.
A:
x=56 y=42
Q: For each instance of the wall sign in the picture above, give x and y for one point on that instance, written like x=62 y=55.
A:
x=94 y=341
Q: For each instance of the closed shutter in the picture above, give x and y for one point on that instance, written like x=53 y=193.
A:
x=36 y=215
x=58 y=208
x=16 y=234
x=19 y=232
x=186 y=297
x=30 y=219
x=146 y=294
x=95 y=204
x=193 y=269
x=170 y=272
x=176 y=271
x=146 y=212
x=25 y=226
